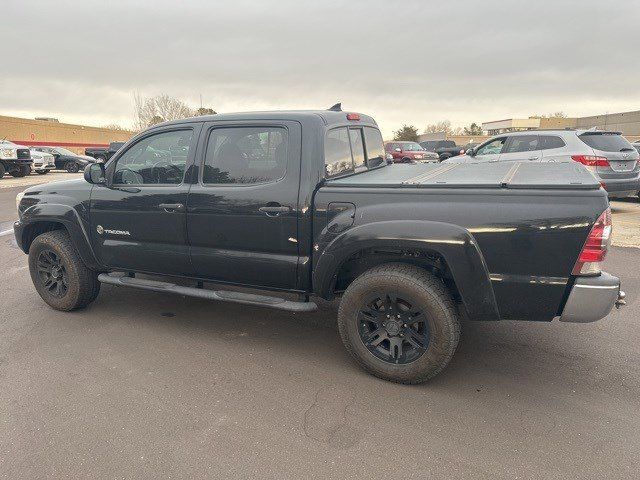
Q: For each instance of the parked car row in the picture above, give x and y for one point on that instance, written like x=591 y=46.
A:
x=19 y=160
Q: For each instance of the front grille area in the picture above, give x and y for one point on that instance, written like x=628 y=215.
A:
x=23 y=153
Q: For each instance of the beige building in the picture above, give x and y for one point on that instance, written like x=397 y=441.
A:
x=76 y=138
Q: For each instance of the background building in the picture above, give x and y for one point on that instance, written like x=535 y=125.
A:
x=76 y=138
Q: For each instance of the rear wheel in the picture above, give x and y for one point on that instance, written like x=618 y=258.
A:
x=72 y=167
x=400 y=323
x=22 y=171
x=58 y=273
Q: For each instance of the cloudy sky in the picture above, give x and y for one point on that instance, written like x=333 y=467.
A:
x=414 y=62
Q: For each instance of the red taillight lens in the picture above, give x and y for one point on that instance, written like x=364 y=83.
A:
x=591 y=160
x=353 y=116
x=596 y=246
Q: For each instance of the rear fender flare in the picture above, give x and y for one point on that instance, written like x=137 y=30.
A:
x=455 y=244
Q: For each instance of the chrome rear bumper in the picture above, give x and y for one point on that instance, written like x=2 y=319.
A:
x=592 y=298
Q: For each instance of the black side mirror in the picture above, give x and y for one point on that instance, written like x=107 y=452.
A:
x=471 y=152
x=94 y=173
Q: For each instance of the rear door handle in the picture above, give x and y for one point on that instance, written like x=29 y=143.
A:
x=172 y=207
x=274 y=210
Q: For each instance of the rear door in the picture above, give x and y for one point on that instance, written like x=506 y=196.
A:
x=242 y=215
x=522 y=148
x=617 y=150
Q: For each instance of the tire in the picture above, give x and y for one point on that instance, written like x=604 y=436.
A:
x=406 y=160
x=71 y=167
x=23 y=171
x=436 y=330
x=68 y=286
x=445 y=157
x=42 y=172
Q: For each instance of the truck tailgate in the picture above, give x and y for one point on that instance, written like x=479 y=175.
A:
x=513 y=175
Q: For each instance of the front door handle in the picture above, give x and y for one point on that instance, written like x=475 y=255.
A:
x=172 y=207
x=274 y=210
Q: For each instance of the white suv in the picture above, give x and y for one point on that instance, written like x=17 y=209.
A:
x=608 y=155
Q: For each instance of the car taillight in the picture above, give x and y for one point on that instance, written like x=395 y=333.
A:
x=591 y=160
x=596 y=246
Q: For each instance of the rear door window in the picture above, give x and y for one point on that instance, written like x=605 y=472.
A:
x=606 y=142
x=522 y=143
x=547 y=142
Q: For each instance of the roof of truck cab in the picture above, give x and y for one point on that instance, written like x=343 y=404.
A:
x=328 y=117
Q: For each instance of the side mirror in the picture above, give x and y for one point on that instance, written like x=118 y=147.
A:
x=397 y=149
x=471 y=152
x=94 y=173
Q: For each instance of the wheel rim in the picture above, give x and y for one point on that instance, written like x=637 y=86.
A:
x=393 y=328
x=73 y=168
x=52 y=273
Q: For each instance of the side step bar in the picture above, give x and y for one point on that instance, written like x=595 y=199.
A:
x=221 y=295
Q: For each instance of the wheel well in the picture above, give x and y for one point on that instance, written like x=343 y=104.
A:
x=363 y=260
x=32 y=230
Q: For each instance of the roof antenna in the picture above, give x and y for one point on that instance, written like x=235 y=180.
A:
x=337 y=107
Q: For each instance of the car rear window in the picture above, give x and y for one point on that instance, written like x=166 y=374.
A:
x=606 y=142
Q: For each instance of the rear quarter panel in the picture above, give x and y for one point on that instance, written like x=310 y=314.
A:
x=529 y=239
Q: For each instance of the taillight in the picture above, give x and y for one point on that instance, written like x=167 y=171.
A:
x=596 y=246
x=591 y=160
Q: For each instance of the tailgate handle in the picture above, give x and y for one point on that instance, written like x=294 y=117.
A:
x=172 y=207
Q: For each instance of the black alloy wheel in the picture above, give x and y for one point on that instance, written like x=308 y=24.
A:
x=52 y=274
x=393 y=328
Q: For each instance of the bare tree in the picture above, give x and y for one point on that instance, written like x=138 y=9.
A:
x=443 y=126
x=114 y=126
x=158 y=109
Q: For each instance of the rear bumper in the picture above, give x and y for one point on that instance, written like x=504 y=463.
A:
x=592 y=298
x=621 y=188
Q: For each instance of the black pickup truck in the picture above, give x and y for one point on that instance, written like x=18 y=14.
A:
x=103 y=154
x=303 y=204
x=444 y=148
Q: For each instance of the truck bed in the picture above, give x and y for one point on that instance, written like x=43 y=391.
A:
x=512 y=175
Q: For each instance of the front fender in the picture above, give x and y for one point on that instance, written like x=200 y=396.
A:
x=455 y=244
x=65 y=215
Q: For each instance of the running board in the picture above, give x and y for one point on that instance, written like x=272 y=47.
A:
x=221 y=295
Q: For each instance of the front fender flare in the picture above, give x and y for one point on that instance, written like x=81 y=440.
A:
x=65 y=215
x=455 y=244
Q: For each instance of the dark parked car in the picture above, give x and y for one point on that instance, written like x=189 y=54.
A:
x=66 y=159
x=103 y=154
x=444 y=148
x=409 y=152
x=304 y=203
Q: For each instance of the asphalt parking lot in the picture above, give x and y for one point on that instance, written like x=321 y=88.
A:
x=146 y=385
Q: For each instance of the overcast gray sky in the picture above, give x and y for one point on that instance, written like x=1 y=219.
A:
x=414 y=62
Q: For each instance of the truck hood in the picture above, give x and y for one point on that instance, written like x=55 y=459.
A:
x=62 y=187
x=525 y=175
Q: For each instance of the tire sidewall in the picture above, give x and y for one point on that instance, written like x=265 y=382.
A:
x=436 y=311
x=49 y=242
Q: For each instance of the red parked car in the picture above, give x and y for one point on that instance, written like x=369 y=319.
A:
x=410 y=152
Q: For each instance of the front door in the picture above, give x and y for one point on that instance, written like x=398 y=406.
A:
x=242 y=215
x=138 y=219
x=490 y=150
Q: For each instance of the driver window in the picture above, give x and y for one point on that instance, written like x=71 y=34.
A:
x=159 y=159
x=492 y=147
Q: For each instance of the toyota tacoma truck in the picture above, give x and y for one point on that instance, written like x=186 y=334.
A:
x=302 y=205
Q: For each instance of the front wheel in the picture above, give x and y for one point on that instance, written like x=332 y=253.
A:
x=58 y=273
x=400 y=323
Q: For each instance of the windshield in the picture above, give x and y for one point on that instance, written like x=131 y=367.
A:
x=412 y=147
x=607 y=142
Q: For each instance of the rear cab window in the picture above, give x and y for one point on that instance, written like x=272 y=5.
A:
x=353 y=150
x=606 y=142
